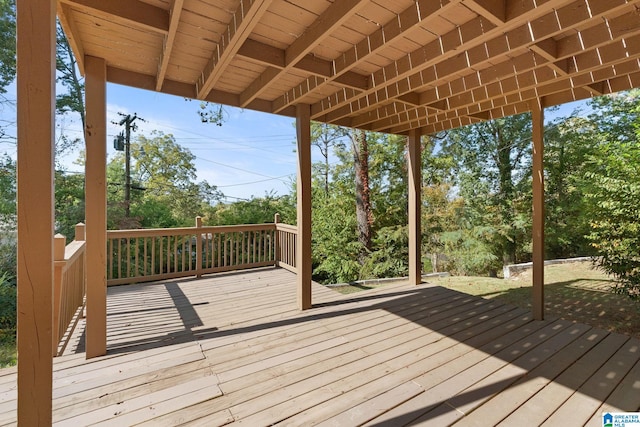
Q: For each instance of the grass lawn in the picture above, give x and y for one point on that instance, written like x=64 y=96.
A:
x=575 y=292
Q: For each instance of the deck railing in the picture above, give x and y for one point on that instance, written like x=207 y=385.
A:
x=69 y=287
x=144 y=255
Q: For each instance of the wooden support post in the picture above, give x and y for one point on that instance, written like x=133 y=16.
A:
x=414 y=164
x=276 y=241
x=80 y=232
x=303 y=189
x=59 y=245
x=36 y=66
x=198 y=246
x=537 y=117
x=96 y=205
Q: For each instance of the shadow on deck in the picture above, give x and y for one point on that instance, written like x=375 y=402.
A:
x=232 y=349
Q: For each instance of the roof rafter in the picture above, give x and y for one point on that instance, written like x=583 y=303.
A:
x=373 y=43
x=129 y=12
x=244 y=19
x=486 y=53
x=332 y=18
x=529 y=69
x=174 y=20
x=610 y=79
x=271 y=56
x=70 y=30
x=448 y=47
x=493 y=10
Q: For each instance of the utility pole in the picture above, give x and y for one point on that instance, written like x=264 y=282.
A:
x=127 y=122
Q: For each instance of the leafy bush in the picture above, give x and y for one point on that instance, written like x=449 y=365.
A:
x=615 y=228
x=390 y=254
x=8 y=313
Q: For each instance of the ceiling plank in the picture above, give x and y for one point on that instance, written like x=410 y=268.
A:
x=130 y=12
x=555 y=92
x=174 y=20
x=331 y=19
x=500 y=47
x=479 y=37
x=244 y=19
x=373 y=43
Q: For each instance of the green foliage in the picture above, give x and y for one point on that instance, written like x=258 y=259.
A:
x=470 y=252
x=7 y=189
x=163 y=190
x=334 y=239
x=7 y=43
x=257 y=210
x=69 y=203
x=390 y=254
x=8 y=313
x=614 y=189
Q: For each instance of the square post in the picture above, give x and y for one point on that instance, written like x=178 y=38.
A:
x=414 y=165
x=303 y=189
x=96 y=205
x=36 y=38
x=537 y=118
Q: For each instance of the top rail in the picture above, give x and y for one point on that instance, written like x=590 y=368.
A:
x=144 y=255
x=69 y=287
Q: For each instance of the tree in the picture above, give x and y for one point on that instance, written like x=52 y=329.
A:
x=325 y=137
x=613 y=191
x=165 y=192
x=71 y=101
x=7 y=43
x=364 y=216
x=494 y=179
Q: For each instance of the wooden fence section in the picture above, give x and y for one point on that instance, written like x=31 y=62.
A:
x=69 y=287
x=144 y=255
x=286 y=236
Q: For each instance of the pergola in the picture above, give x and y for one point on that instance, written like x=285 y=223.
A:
x=410 y=67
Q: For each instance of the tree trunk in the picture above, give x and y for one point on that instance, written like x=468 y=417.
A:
x=505 y=168
x=364 y=216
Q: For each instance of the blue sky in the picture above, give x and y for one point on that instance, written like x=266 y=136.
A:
x=249 y=155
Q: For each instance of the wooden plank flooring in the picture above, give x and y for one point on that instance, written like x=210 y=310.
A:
x=232 y=350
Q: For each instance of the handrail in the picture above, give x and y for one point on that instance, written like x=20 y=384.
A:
x=286 y=240
x=144 y=255
x=69 y=287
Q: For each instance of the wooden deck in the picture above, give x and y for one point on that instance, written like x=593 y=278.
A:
x=232 y=349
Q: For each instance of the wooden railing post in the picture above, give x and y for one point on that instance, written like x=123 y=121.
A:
x=59 y=244
x=80 y=232
x=198 y=246
x=276 y=241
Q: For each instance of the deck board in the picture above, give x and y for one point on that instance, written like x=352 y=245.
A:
x=232 y=349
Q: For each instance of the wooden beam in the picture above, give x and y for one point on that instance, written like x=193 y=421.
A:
x=303 y=190
x=96 y=206
x=414 y=170
x=371 y=44
x=520 y=77
x=271 y=56
x=577 y=86
x=71 y=31
x=244 y=19
x=127 y=12
x=494 y=10
x=332 y=18
x=169 y=39
x=460 y=48
x=36 y=38
x=537 y=118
